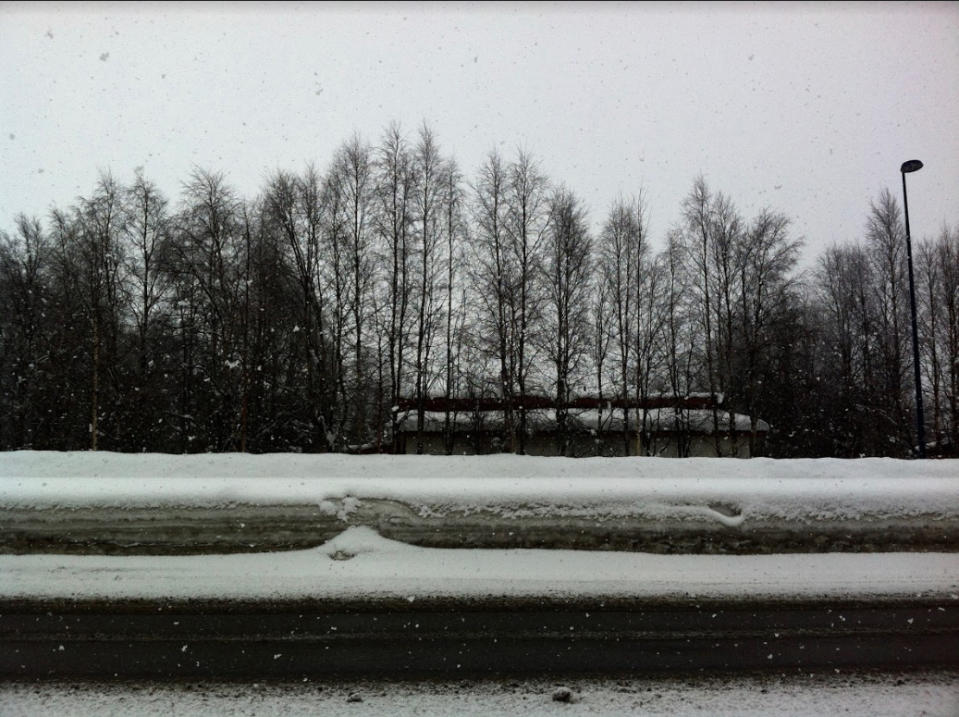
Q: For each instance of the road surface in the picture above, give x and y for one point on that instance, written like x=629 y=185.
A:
x=447 y=637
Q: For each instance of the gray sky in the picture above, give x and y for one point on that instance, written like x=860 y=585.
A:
x=809 y=108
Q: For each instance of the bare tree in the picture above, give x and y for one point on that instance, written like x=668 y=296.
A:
x=624 y=257
x=712 y=241
x=677 y=330
x=566 y=278
x=394 y=218
x=147 y=235
x=294 y=205
x=147 y=229
x=209 y=257
x=767 y=288
x=303 y=319
x=947 y=254
x=527 y=220
x=602 y=337
x=651 y=315
x=885 y=239
x=938 y=279
x=726 y=236
x=337 y=276
x=844 y=285
x=452 y=201
x=494 y=280
x=697 y=213
x=428 y=195
x=352 y=177
x=24 y=346
x=90 y=255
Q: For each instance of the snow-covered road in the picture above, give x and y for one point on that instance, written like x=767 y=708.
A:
x=864 y=694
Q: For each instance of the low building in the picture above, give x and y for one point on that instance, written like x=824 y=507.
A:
x=694 y=426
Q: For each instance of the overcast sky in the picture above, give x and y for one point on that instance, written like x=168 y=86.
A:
x=809 y=109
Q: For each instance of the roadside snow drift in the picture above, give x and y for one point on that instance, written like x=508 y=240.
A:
x=152 y=503
x=360 y=564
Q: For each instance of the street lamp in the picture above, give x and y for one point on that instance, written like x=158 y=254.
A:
x=913 y=165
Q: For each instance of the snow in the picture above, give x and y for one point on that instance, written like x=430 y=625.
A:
x=868 y=694
x=359 y=563
x=105 y=464
x=727 y=491
x=232 y=502
x=727 y=494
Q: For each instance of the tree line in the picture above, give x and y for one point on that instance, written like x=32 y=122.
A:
x=301 y=319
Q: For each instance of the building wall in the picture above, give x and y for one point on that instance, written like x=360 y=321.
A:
x=702 y=446
x=580 y=445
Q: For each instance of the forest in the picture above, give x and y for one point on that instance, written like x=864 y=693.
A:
x=303 y=318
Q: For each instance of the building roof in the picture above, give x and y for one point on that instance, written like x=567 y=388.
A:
x=530 y=402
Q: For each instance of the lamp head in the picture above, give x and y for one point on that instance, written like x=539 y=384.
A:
x=913 y=165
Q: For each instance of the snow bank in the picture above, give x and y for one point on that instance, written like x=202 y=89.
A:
x=65 y=502
x=841 y=488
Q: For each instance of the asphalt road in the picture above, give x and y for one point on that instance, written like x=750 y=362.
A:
x=450 y=638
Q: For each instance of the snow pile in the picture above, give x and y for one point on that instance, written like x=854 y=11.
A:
x=728 y=492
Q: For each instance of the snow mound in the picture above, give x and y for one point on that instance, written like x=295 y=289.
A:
x=359 y=540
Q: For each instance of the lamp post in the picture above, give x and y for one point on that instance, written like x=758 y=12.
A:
x=913 y=165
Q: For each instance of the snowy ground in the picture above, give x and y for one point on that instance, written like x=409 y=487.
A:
x=55 y=502
x=827 y=487
x=869 y=694
x=359 y=562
